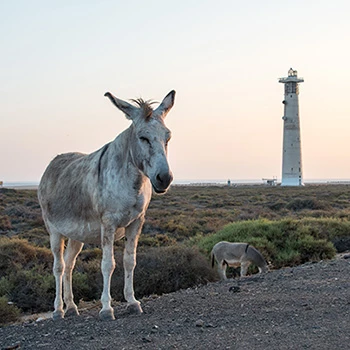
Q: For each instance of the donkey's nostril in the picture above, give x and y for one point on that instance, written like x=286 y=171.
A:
x=159 y=179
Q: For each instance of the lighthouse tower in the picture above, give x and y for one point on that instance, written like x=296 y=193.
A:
x=292 y=171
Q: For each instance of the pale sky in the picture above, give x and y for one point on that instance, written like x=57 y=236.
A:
x=223 y=58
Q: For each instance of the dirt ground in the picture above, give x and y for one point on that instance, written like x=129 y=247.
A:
x=305 y=307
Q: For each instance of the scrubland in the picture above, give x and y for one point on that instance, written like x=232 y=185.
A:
x=290 y=226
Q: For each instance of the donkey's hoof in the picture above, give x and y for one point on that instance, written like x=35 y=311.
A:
x=135 y=309
x=73 y=312
x=107 y=315
x=57 y=315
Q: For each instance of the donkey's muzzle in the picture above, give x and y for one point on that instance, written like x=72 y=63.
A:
x=162 y=182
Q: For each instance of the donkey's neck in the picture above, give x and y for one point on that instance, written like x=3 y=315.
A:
x=116 y=162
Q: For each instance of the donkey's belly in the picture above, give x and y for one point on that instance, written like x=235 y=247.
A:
x=233 y=262
x=82 y=231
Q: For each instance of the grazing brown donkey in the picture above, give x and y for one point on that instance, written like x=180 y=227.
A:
x=103 y=196
x=232 y=254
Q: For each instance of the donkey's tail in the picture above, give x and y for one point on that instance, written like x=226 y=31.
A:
x=212 y=260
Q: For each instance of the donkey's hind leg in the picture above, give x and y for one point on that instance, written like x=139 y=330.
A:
x=70 y=256
x=222 y=266
x=244 y=268
x=57 y=246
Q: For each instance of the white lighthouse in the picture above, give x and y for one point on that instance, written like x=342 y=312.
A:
x=292 y=170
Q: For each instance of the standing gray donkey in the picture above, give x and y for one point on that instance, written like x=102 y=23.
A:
x=103 y=196
x=233 y=254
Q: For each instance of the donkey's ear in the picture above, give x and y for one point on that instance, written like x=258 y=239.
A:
x=125 y=107
x=168 y=101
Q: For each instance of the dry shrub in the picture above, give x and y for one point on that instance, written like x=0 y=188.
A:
x=5 y=223
x=8 y=312
x=158 y=270
x=277 y=205
x=17 y=254
x=26 y=276
x=307 y=203
x=158 y=240
x=342 y=244
x=90 y=254
x=165 y=270
x=32 y=290
x=162 y=270
x=36 y=236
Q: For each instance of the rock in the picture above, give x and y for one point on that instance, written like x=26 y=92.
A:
x=199 y=323
x=147 y=339
x=234 y=289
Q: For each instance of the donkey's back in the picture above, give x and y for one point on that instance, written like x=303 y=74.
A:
x=68 y=196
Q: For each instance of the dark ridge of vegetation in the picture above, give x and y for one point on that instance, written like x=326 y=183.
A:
x=27 y=279
x=289 y=225
x=158 y=271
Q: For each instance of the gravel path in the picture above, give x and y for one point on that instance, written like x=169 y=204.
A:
x=305 y=307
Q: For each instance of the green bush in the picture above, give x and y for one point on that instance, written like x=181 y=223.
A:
x=8 y=312
x=284 y=242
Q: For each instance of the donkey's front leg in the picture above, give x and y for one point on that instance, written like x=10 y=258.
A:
x=132 y=233
x=107 y=267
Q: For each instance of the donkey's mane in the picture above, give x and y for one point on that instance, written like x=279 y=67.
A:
x=146 y=106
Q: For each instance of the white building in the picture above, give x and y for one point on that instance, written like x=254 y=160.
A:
x=292 y=170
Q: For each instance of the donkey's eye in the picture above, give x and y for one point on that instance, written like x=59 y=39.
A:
x=145 y=139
